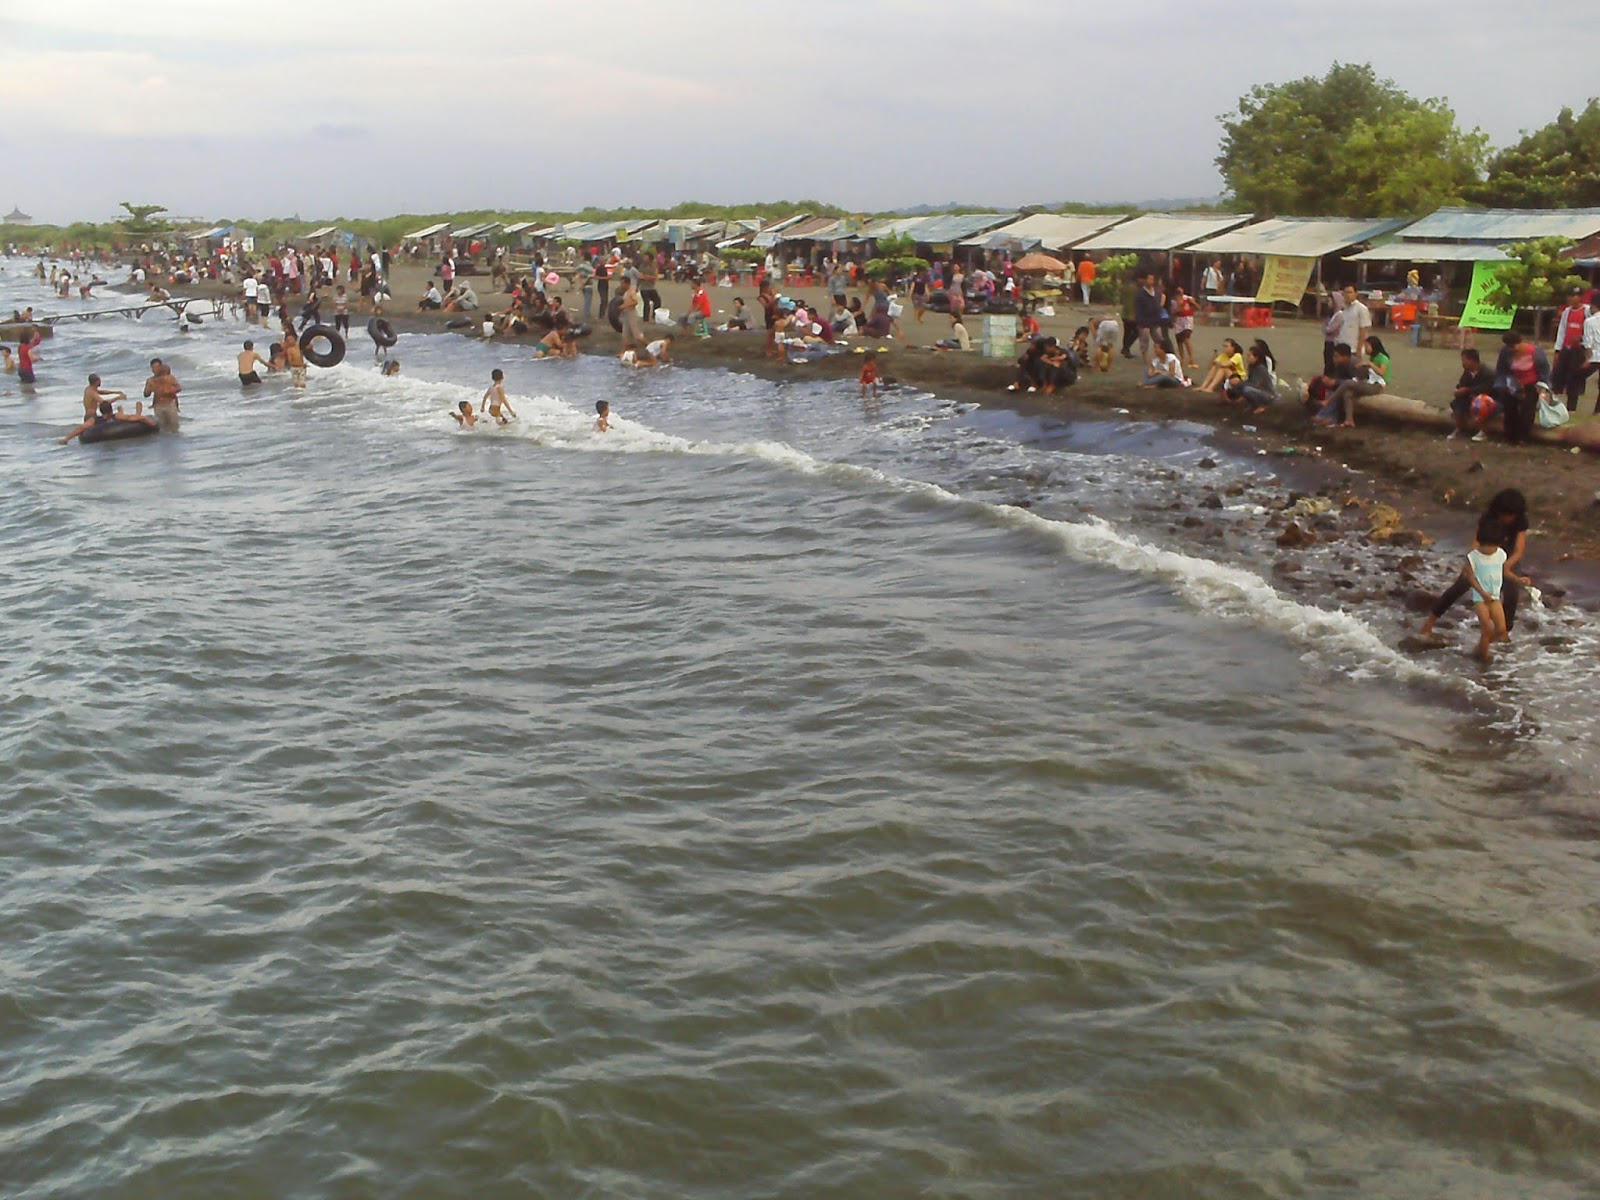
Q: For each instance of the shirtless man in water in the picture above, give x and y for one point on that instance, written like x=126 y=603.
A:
x=248 y=358
x=92 y=396
x=163 y=387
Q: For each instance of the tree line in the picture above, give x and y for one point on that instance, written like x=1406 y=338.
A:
x=1352 y=144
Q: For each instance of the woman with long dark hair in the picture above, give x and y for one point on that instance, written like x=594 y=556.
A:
x=1509 y=508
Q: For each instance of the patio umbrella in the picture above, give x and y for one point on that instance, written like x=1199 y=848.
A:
x=1040 y=262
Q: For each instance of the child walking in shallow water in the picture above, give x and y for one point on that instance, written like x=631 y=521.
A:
x=499 y=407
x=1485 y=576
x=869 y=374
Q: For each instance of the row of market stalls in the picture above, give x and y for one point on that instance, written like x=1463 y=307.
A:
x=1292 y=257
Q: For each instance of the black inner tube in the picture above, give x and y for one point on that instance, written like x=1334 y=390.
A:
x=332 y=356
x=381 y=332
x=115 y=431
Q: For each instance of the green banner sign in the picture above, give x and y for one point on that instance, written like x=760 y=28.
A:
x=1477 y=314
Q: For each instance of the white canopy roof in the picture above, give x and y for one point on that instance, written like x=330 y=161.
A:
x=1163 y=231
x=430 y=231
x=1300 y=237
x=1050 y=230
x=1430 y=252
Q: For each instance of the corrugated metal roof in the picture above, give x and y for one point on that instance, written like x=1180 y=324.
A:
x=430 y=231
x=1051 y=230
x=1300 y=237
x=1163 y=231
x=1506 y=224
x=814 y=229
x=1407 y=250
x=952 y=227
x=531 y=228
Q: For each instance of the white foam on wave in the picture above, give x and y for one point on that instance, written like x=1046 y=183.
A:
x=1230 y=592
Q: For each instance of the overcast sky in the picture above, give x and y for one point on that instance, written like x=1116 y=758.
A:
x=222 y=109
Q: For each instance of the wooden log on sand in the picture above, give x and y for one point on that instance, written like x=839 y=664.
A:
x=1403 y=410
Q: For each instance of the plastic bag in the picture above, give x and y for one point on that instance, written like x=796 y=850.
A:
x=1552 y=412
x=1045 y=310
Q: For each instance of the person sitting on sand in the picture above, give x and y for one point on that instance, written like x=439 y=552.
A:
x=1258 y=390
x=1473 y=405
x=93 y=398
x=1226 y=364
x=248 y=358
x=1055 y=368
x=495 y=398
x=959 y=339
x=105 y=414
x=462 y=298
x=1370 y=377
x=464 y=416
x=602 y=420
x=1166 y=369
x=431 y=299
x=1029 y=367
x=1028 y=327
x=1508 y=510
x=738 y=320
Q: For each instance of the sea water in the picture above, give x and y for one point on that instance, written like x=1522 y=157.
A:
x=752 y=801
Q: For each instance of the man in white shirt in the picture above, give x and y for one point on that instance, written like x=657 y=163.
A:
x=1591 y=350
x=250 y=298
x=1568 y=362
x=430 y=298
x=1211 y=281
x=1354 y=322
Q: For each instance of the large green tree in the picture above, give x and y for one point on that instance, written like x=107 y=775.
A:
x=1348 y=144
x=1554 y=167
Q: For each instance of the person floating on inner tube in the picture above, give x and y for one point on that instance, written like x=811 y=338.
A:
x=94 y=397
x=107 y=414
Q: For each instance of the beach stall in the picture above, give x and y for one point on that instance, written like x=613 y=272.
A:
x=429 y=240
x=1295 y=254
x=1159 y=239
x=329 y=235
x=1461 y=245
x=940 y=235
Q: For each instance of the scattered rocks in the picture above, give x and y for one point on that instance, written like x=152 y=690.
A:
x=1235 y=489
x=1293 y=537
x=1191 y=522
x=1287 y=566
x=1207 y=464
x=1211 y=502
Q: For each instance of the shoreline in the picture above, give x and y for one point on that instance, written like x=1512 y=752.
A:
x=1434 y=486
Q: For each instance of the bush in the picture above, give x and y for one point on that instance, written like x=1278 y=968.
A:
x=1109 y=277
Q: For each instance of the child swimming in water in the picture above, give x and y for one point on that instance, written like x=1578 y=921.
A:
x=465 y=417
x=495 y=397
x=602 y=422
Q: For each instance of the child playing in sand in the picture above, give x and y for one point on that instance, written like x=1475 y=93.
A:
x=869 y=373
x=464 y=416
x=659 y=351
x=495 y=397
x=1107 y=333
x=1485 y=576
x=602 y=421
